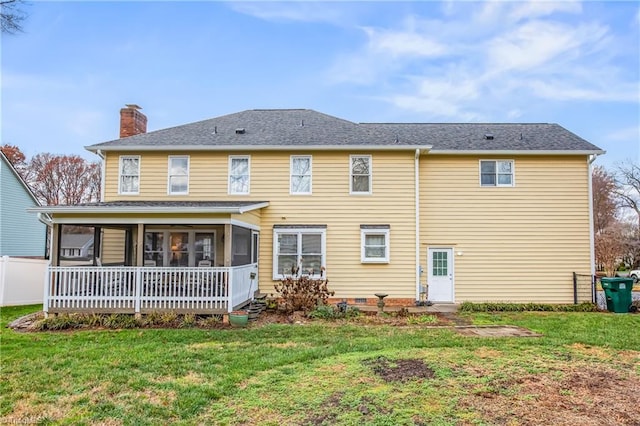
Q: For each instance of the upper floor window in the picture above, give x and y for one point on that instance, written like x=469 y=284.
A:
x=496 y=173
x=178 y=175
x=129 y=181
x=239 y=176
x=300 y=174
x=360 y=171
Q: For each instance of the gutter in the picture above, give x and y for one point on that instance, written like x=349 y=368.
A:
x=515 y=152
x=45 y=218
x=241 y=148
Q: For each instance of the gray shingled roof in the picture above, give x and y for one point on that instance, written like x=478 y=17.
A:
x=300 y=128
x=473 y=136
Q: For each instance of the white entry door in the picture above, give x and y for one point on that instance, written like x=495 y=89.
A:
x=440 y=276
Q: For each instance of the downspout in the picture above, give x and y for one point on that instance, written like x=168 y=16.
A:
x=102 y=174
x=45 y=218
x=417 y=196
x=592 y=249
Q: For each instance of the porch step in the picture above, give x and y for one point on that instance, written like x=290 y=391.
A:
x=255 y=308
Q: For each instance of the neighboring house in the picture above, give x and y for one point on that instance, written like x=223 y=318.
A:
x=465 y=212
x=21 y=234
x=76 y=246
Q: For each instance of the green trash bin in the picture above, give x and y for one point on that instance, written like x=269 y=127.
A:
x=617 y=291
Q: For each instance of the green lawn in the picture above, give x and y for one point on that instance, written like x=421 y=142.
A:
x=320 y=373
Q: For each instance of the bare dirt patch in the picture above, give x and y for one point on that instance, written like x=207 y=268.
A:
x=578 y=395
x=400 y=370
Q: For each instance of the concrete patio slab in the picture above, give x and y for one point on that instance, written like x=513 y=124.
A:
x=496 y=331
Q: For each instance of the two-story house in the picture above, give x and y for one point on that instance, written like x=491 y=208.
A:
x=450 y=212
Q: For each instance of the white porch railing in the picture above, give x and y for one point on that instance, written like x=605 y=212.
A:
x=146 y=289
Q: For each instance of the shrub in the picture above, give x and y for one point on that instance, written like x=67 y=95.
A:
x=303 y=293
x=59 y=322
x=522 y=307
x=188 y=321
x=329 y=312
x=209 y=321
x=168 y=319
x=422 y=319
x=120 y=321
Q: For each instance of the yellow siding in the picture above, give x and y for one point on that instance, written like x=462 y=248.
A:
x=392 y=203
x=112 y=246
x=518 y=243
x=252 y=217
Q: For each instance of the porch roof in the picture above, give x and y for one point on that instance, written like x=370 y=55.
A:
x=229 y=207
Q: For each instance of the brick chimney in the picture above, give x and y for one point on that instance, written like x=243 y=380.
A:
x=132 y=121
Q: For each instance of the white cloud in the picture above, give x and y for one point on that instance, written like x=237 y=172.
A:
x=535 y=9
x=441 y=98
x=291 y=11
x=536 y=43
x=563 y=90
x=495 y=58
x=403 y=43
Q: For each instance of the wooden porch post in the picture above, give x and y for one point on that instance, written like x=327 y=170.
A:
x=227 y=244
x=97 y=244
x=140 y=245
x=55 y=244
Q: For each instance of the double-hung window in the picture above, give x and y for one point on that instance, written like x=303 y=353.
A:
x=178 y=175
x=299 y=251
x=496 y=173
x=374 y=243
x=300 y=174
x=239 y=175
x=129 y=181
x=360 y=171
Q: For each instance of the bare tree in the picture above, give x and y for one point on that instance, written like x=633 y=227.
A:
x=64 y=179
x=605 y=199
x=610 y=248
x=12 y=16
x=13 y=154
x=628 y=187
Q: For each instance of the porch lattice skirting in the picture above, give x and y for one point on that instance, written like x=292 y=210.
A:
x=126 y=289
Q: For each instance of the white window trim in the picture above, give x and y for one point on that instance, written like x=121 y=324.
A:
x=513 y=173
x=351 y=191
x=299 y=231
x=375 y=231
x=310 y=157
x=122 y=158
x=169 y=192
x=239 y=157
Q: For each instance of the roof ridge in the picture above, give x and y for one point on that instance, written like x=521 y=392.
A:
x=279 y=109
x=458 y=123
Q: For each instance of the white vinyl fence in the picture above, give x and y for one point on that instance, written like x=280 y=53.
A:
x=21 y=280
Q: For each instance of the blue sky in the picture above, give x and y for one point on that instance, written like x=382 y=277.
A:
x=66 y=77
